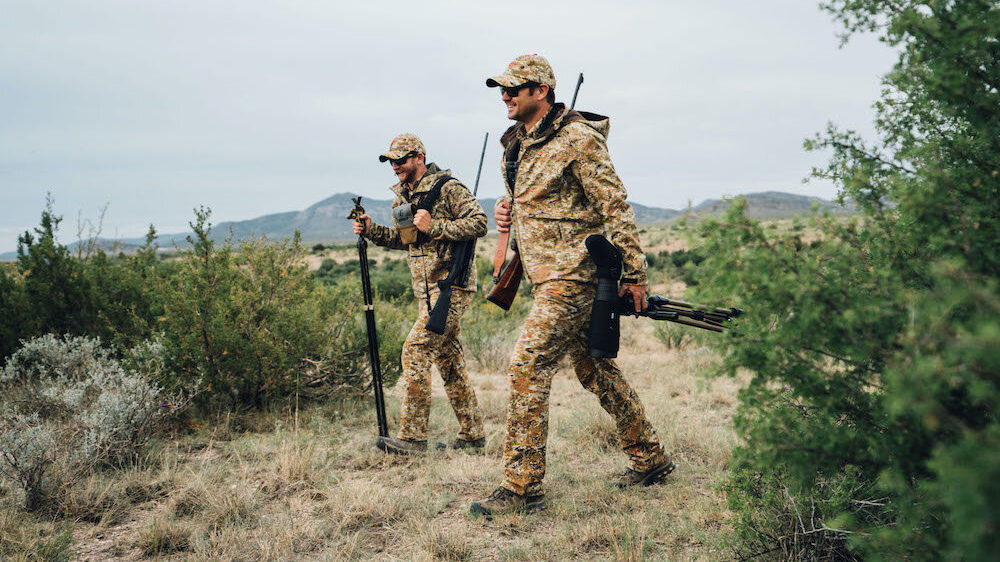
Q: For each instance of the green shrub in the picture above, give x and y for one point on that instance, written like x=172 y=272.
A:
x=672 y=336
x=124 y=293
x=349 y=356
x=680 y=265
x=249 y=324
x=13 y=309
x=874 y=349
x=241 y=324
x=390 y=279
x=49 y=290
x=245 y=322
x=54 y=285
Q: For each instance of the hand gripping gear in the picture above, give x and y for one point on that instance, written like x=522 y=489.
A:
x=605 y=316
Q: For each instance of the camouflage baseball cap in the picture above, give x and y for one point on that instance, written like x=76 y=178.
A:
x=525 y=68
x=401 y=146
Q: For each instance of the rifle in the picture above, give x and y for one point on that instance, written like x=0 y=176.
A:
x=506 y=283
x=579 y=81
x=505 y=286
x=465 y=252
x=605 y=316
x=366 y=289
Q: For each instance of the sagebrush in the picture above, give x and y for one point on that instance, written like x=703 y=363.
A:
x=70 y=407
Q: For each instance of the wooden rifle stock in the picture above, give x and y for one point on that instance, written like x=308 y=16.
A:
x=505 y=289
x=500 y=255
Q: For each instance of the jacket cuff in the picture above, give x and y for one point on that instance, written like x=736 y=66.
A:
x=436 y=230
x=374 y=233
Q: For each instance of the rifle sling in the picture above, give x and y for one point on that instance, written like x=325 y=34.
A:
x=427 y=203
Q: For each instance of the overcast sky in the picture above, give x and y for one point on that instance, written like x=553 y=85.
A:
x=253 y=107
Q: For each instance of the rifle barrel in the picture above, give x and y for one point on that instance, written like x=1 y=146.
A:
x=579 y=81
x=482 y=155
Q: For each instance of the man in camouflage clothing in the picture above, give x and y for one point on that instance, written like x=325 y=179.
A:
x=562 y=187
x=430 y=242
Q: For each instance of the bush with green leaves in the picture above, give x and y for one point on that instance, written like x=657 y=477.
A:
x=347 y=367
x=14 y=309
x=874 y=349
x=248 y=323
x=245 y=321
x=68 y=403
x=51 y=290
x=53 y=293
x=390 y=279
x=677 y=264
x=124 y=294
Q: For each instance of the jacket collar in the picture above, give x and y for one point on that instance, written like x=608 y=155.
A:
x=557 y=117
x=424 y=183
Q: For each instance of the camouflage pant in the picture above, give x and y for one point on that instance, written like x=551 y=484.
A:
x=423 y=348
x=556 y=325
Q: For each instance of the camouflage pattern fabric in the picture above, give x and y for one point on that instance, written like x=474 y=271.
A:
x=557 y=325
x=401 y=146
x=455 y=216
x=423 y=348
x=525 y=68
x=566 y=189
x=563 y=187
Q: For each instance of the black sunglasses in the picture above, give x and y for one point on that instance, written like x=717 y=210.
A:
x=513 y=91
x=402 y=159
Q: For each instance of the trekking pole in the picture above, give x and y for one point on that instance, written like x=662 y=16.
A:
x=366 y=289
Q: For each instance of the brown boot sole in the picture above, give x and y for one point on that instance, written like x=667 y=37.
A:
x=531 y=504
x=390 y=448
x=657 y=475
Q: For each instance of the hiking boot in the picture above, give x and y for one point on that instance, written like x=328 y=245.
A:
x=400 y=446
x=503 y=501
x=474 y=445
x=654 y=475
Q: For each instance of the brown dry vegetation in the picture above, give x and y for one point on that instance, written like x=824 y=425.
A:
x=310 y=485
x=321 y=491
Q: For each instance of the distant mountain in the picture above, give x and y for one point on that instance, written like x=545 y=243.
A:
x=647 y=215
x=326 y=221
x=775 y=205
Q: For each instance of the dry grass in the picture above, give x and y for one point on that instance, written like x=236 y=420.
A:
x=277 y=487
x=323 y=492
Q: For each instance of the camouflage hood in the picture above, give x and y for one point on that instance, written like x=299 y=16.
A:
x=563 y=188
x=555 y=119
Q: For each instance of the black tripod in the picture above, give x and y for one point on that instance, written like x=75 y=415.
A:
x=366 y=288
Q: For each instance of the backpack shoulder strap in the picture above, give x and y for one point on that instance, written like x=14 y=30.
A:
x=429 y=200
x=433 y=194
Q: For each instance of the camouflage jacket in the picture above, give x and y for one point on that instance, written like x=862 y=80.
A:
x=455 y=216
x=565 y=188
